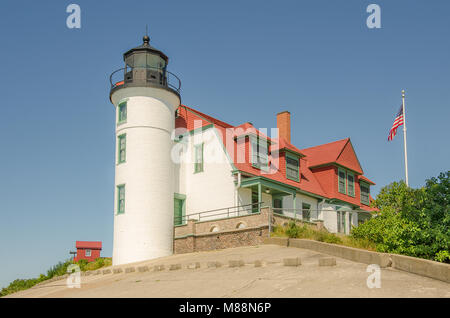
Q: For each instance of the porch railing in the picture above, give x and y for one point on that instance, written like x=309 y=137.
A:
x=224 y=213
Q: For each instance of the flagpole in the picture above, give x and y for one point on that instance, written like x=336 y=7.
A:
x=404 y=137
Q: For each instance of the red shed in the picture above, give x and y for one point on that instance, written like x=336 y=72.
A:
x=87 y=250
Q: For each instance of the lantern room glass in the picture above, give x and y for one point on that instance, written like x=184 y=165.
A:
x=145 y=60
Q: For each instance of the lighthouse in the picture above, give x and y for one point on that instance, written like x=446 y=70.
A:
x=145 y=96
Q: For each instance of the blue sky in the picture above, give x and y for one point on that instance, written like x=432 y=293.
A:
x=238 y=61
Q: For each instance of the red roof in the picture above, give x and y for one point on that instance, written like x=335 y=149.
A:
x=89 y=244
x=363 y=178
x=334 y=152
x=339 y=152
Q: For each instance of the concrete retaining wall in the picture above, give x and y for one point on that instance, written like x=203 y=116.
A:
x=352 y=254
x=436 y=270
x=283 y=241
x=419 y=266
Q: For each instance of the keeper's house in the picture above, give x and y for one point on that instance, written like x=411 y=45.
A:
x=238 y=166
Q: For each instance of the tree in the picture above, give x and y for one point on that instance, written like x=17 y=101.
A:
x=414 y=222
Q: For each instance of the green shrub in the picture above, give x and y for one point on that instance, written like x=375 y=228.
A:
x=292 y=230
x=414 y=222
x=442 y=256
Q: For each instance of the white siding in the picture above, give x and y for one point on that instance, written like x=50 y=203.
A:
x=214 y=187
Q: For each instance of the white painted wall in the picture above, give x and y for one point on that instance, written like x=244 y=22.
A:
x=145 y=230
x=214 y=187
x=329 y=216
x=288 y=203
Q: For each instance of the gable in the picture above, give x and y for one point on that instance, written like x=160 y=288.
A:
x=348 y=158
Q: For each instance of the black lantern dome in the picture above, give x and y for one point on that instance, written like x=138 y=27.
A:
x=145 y=55
x=145 y=66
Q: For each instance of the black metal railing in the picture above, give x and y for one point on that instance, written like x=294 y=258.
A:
x=145 y=76
x=223 y=213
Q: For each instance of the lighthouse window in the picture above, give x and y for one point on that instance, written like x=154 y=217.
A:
x=122 y=143
x=122 y=112
x=198 y=149
x=120 y=199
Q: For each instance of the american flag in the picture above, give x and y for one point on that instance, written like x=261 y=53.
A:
x=398 y=121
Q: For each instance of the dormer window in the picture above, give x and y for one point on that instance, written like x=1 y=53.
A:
x=260 y=154
x=346 y=182
x=342 y=181
x=365 y=193
x=350 y=184
x=292 y=167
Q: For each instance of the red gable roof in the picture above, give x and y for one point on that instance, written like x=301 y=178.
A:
x=89 y=244
x=340 y=152
x=363 y=178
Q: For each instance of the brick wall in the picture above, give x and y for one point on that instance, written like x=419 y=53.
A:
x=238 y=231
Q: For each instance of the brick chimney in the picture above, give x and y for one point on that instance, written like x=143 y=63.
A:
x=284 y=125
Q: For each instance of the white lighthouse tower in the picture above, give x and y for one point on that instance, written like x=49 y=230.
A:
x=145 y=96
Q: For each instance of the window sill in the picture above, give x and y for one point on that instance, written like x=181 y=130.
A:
x=293 y=179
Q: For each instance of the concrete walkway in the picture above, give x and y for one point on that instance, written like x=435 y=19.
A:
x=271 y=279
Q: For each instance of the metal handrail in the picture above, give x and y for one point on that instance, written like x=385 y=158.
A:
x=229 y=211
x=170 y=79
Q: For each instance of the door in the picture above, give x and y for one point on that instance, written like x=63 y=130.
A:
x=178 y=211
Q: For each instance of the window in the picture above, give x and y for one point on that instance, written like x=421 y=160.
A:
x=120 y=199
x=278 y=205
x=292 y=168
x=365 y=192
x=122 y=144
x=255 y=200
x=306 y=211
x=260 y=157
x=342 y=185
x=351 y=184
x=122 y=112
x=341 y=221
x=198 y=149
x=88 y=253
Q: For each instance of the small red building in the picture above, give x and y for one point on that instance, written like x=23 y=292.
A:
x=87 y=250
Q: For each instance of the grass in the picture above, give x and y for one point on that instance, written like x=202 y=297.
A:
x=292 y=230
x=56 y=270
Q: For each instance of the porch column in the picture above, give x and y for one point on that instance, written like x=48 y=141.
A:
x=294 y=204
x=259 y=197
